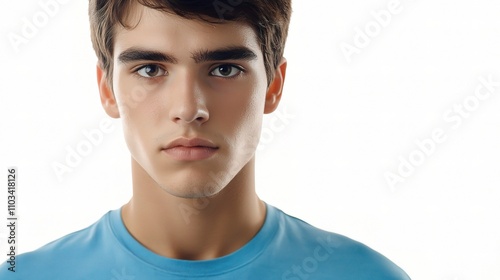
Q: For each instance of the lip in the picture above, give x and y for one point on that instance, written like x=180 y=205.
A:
x=185 y=149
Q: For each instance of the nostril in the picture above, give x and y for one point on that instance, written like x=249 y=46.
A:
x=200 y=116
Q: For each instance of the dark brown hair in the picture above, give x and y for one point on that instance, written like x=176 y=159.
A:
x=268 y=18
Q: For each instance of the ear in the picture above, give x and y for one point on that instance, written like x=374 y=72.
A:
x=273 y=95
x=108 y=99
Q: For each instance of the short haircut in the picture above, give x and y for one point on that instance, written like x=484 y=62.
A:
x=268 y=18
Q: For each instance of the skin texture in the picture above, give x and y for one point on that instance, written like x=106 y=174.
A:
x=199 y=209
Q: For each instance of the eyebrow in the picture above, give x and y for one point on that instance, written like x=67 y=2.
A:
x=228 y=53
x=135 y=54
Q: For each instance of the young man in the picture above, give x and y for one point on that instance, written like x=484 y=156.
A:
x=191 y=81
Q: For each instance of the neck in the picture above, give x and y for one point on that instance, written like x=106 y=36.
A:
x=194 y=229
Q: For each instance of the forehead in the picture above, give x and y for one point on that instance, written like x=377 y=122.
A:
x=163 y=31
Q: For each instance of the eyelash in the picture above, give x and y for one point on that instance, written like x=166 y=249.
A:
x=212 y=69
x=239 y=68
x=136 y=70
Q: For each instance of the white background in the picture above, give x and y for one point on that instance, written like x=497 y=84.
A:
x=352 y=122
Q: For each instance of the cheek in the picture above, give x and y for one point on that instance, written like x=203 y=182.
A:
x=240 y=113
x=131 y=97
x=138 y=111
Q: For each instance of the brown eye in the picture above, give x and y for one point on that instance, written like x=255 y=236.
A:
x=151 y=71
x=226 y=71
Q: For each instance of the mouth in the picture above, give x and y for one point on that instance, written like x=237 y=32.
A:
x=184 y=149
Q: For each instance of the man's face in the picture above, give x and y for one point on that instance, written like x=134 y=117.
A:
x=178 y=78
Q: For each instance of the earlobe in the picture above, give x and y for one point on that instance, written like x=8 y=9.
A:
x=108 y=100
x=275 y=89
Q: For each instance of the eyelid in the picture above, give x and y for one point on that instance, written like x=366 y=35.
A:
x=136 y=69
x=228 y=64
x=239 y=67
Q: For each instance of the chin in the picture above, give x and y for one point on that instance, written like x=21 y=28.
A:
x=191 y=188
x=190 y=192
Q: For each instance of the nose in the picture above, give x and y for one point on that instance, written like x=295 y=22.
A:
x=187 y=102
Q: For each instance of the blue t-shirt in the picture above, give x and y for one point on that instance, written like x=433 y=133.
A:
x=284 y=248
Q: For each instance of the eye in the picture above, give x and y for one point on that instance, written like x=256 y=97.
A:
x=226 y=71
x=151 y=71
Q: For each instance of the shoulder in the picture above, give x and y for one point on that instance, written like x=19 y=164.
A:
x=327 y=253
x=73 y=248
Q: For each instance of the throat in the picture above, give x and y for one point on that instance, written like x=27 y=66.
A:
x=214 y=231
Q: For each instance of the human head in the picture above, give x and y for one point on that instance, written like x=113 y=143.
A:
x=268 y=18
x=183 y=95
